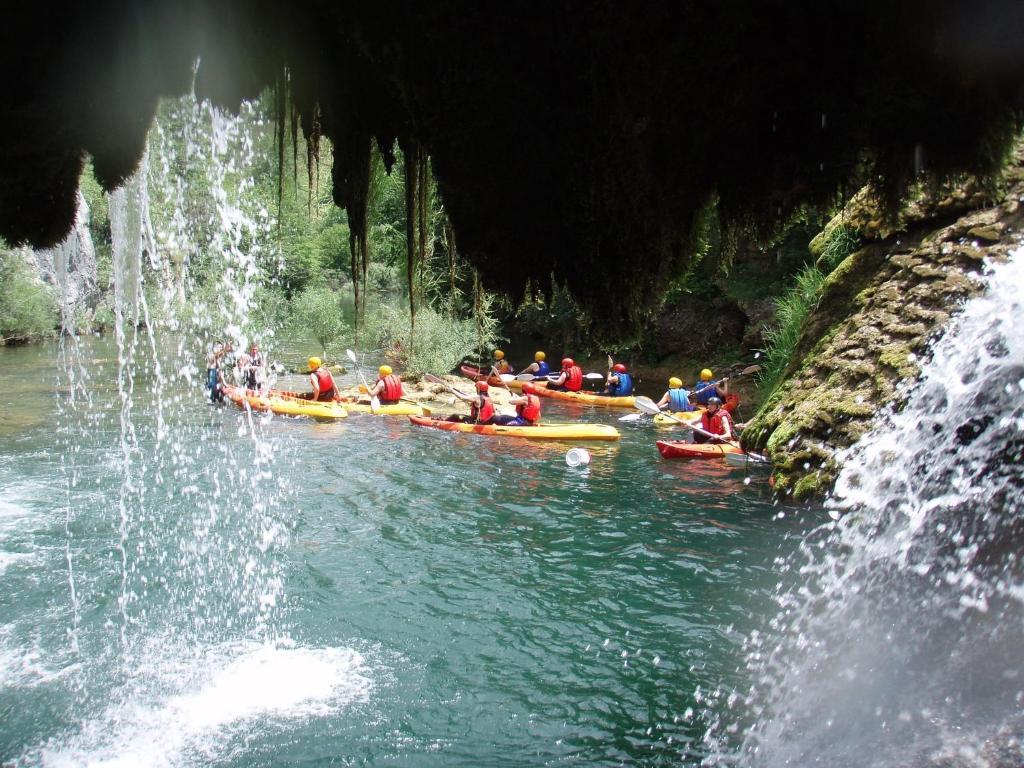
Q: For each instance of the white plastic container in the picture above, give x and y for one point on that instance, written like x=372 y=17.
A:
x=577 y=457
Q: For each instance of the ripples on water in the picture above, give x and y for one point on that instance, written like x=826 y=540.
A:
x=447 y=599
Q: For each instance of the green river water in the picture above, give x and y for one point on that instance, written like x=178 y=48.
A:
x=176 y=591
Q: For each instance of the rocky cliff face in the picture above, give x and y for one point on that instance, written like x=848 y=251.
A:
x=860 y=349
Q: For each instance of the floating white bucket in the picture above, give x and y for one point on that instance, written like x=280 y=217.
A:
x=577 y=457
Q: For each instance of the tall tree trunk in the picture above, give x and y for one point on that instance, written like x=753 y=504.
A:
x=411 y=151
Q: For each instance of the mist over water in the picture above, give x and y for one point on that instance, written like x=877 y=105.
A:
x=903 y=641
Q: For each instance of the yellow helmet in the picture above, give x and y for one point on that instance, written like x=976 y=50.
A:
x=314 y=363
x=538 y=356
x=706 y=375
x=675 y=383
x=499 y=355
x=384 y=370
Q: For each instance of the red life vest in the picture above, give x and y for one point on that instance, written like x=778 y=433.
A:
x=713 y=424
x=392 y=388
x=325 y=383
x=574 y=379
x=482 y=410
x=530 y=410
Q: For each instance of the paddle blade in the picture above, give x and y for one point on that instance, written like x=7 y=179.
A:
x=507 y=377
x=594 y=376
x=351 y=355
x=631 y=417
x=433 y=379
x=374 y=404
x=646 y=405
x=522 y=377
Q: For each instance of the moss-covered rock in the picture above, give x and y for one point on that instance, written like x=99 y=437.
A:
x=861 y=348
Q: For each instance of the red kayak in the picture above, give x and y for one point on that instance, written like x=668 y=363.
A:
x=676 y=449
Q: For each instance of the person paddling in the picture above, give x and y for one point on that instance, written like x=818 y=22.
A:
x=570 y=379
x=715 y=420
x=501 y=365
x=253 y=367
x=321 y=380
x=388 y=387
x=539 y=367
x=527 y=409
x=676 y=399
x=705 y=389
x=481 y=408
x=619 y=382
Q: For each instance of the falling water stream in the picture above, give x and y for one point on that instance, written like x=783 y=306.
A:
x=184 y=584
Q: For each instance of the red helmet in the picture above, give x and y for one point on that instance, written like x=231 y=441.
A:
x=619 y=368
x=481 y=386
x=529 y=388
x=568 y=362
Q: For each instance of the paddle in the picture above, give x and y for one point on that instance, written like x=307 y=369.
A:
x=438 y=380
x=374 y=401
x=647 y=405
x=364 y=390
x=501 y=377
x=631 y=417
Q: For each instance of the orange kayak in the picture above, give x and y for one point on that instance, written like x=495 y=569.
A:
x=285 y=406
x=675 y=449
x=472 y=372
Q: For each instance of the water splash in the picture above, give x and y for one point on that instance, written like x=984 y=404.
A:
x=903 y=641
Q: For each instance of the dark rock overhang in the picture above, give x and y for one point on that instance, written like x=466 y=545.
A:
x=568 y=139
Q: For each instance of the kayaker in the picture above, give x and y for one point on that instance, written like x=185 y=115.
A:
x=619 y=382
x=527 y=409
x=253 y=367
x=501 y=365
x=321 y=380
x=388 y=387
x=570 y=379
x=539 y=367
x=715 y=420
x=705 y=389
x=676 y=399
x=212 y=362
x=481 y=408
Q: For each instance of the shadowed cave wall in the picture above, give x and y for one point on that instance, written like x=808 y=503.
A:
x=569 y=140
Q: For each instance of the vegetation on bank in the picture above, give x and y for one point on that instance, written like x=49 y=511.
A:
x=28 y=307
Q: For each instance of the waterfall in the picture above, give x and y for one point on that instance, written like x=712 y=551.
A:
x=900 y=635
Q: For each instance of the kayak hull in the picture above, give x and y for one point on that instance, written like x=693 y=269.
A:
x=355 y=405
x=666 y=420
x=585 y=398
x=676 y=449
x=474 y=373
x=538 y=432
x=285 y=406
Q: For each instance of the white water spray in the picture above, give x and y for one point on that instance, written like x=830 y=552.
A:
x=903 y=644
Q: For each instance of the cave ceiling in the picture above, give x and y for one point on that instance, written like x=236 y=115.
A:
x=573 y=139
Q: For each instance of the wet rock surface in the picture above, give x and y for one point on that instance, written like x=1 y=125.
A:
x=860 y=349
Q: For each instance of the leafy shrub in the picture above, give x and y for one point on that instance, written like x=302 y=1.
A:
x=28 y=307
x=792 y=309
x=317 y=312
x=441 y=342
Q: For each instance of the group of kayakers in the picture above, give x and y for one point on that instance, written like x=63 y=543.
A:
x=707 y=395
x=249 y=368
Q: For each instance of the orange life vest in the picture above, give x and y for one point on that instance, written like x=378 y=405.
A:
x=574 y=379
x=713 y=424
x=530 y=410
x=392 y=388
x=482 y=410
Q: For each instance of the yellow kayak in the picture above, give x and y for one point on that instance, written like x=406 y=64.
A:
x=538 y=432
x=355 y=405
x=664 y=420
x=285 y=406
x=585 y=398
